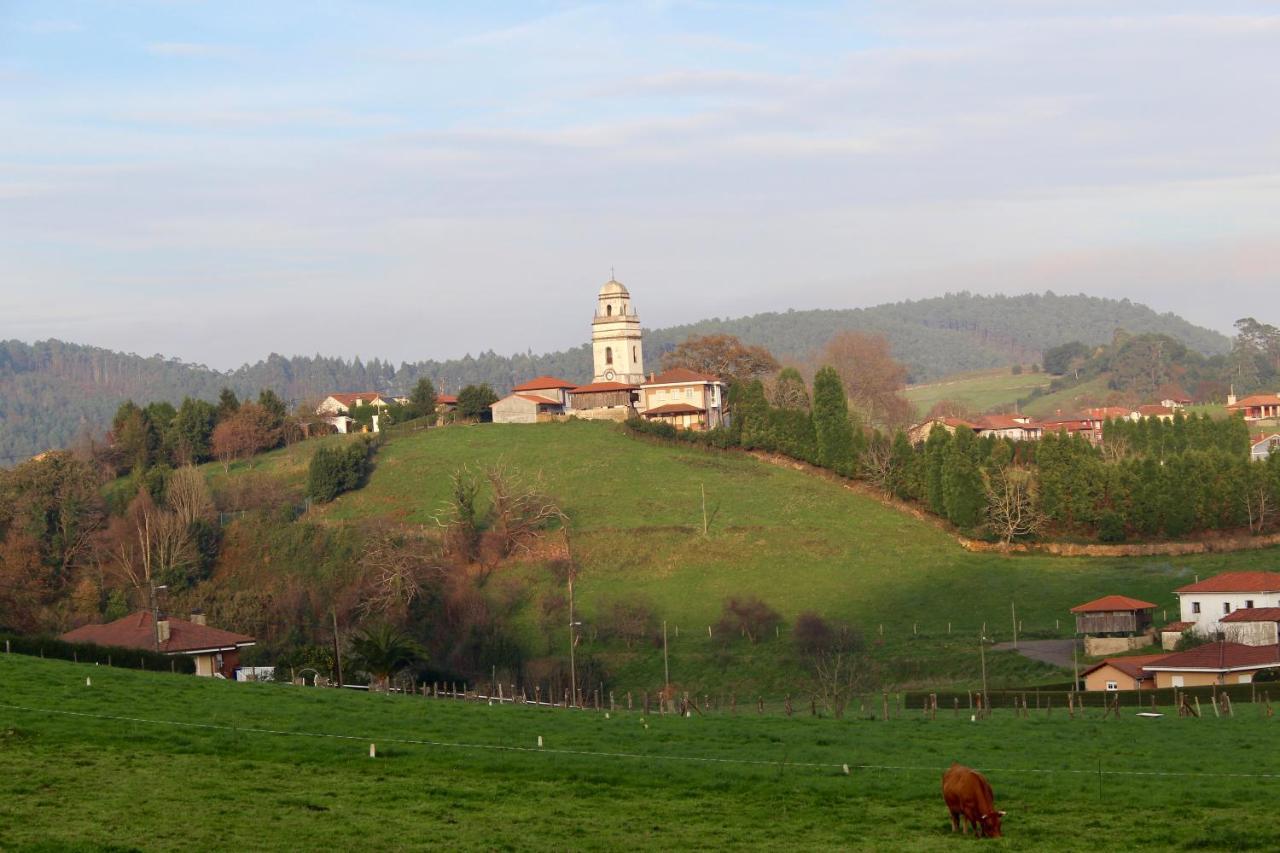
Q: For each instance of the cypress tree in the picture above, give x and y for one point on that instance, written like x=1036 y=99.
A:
x=962 y=491
x=935 y=453
x=831 y=424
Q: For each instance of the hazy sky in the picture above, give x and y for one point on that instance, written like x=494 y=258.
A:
x=220 y=180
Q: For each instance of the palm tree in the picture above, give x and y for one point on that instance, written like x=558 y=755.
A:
x=383 y=650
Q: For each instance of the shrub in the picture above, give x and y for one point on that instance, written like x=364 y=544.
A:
x=335 y=470
x=1017 y=370
x=1111 y=527
x=51 y=647
x=749 y=616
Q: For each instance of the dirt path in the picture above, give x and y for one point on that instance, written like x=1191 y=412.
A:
x=1053 y=652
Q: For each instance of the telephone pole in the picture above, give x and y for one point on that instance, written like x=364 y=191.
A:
x=337 y=646
x=573 y=634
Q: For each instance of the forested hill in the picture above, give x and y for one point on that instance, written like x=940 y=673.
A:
x=52 y=391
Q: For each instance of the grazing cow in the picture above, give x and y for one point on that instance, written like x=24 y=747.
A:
x=968 y=794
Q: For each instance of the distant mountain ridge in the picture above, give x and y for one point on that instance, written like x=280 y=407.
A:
x=52 y=391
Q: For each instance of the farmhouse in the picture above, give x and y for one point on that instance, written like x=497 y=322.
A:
x=1114 y=623
x=1016 y=427
x=1254 y=626
x=1124 y=673
x=1213 y=663
x=1205 y=603
x=919 y=433
x=216 y=652
x=342 y=404
x=1259 y=407
x=534 y=401
x=683 y=398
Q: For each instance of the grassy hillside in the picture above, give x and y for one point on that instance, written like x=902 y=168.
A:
x=980 y=391
x=797 y=541
x=160 y=762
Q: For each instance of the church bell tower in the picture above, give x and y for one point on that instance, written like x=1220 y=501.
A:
x=615 y=337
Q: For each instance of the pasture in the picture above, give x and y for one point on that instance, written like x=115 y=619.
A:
x=979 y=390
x=797 y=541
x=271 y=767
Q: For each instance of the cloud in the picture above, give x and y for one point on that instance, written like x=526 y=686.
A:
x=190 y=50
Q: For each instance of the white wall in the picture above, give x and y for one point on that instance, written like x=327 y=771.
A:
x=1211 y=606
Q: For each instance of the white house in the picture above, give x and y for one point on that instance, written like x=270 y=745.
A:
x=1206 y=602
x=684 y=398
x=341 y=404
x=1253 y=626
x=1262 y=446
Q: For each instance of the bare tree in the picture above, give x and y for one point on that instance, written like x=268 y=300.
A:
x=1259 y=501
x=519 y=512
x=721 y=355
x=188 y=495
x=1013 y=505
x=878 y=462
x=395 y=568
x=837 y=658
x=872 y=377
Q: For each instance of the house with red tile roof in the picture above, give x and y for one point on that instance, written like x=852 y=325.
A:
x=1213 y=663
x=1206 y=602
x=1258 y=407
x=1252 y=626
x=919 y=433
x=1263 y=444
x=216 y=652
x=686 y=399
x=1121 y=673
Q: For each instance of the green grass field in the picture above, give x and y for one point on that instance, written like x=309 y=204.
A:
x=980 y=390
x=798 y=541
x=158 y=762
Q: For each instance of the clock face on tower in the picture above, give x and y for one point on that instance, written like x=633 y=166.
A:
x=608 y=375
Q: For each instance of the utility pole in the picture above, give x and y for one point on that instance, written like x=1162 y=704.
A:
x=337 y=647
x=666 y=665
x=982 y=650
x=704 y=510
x=573 y=638
x=1075 y=661
x=155 y=609
x=1013 y=610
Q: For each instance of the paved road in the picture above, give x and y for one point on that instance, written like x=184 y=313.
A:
x=1056 y=652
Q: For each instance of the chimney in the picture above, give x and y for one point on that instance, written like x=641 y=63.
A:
x=653 y=377
x=197 y=617
x=162 y=630
x=1231 y=396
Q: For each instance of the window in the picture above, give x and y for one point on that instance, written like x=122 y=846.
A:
x=1111 y=685
x=1195 y=607
x=688 y=393
x=1226 y=607
x=1248 y=604
x=608 y=310
x=1177 y=681
x=635 y=353
x=608 y=355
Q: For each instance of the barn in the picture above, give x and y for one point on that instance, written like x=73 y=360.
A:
x=1114 y=623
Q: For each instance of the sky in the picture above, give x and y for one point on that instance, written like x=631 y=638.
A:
x=218 y=181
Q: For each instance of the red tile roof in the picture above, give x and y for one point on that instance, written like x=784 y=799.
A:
x=1108 y=412
x=349 y=399
x=137 y=631
x=1219 y=657
x=1256 y=400
x=678 y=375
x=1154 y=411
x=674 y=409
x=544 y=383
x=1236 y=582
x=1130 y=666
x=446 y=400
x=1177 y=627
x=599 y=387
x=1005 y=422
x=533 y=398
x=1112 y=602
x=1253 y=614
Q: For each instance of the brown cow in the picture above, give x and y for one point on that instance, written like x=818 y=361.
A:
x=968 y=793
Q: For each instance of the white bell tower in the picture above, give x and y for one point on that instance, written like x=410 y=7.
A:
x=615 y=337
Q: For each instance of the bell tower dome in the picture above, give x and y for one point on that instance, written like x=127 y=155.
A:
x=615 y=337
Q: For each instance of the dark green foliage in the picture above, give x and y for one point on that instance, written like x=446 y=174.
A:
x=191 y=430
x=275 y=408
x=1111 y=527
x=228 y=404
x=1059 y=360
x=335 y=469
x=962 y=490
x=133 y=437
x=751 y=411
x=422 y=400
x=384 y=650
x=936 y=449
x=51 y=647
x=831 y=424
x=474 y=402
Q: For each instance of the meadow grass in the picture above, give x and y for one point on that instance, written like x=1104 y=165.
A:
x=979 y=390
x=268 y=767
x=799 y=542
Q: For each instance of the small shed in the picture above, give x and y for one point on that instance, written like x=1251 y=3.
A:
x=1171 y=633
x=1114 y=616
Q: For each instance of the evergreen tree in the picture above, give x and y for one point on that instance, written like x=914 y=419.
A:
x=228 y=404
x=962 y=488
x=191 y=431
x=274 y=407
x=752 y=409
x=422 y=400
x=832 y=427
x=935 y=454
x=474 y=402
x=904 y=481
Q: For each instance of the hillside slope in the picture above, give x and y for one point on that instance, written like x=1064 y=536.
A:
x=51 y=391
x=797 y=541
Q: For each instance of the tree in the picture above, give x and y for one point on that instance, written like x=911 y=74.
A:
x=191 y=432
x=382 y=651
x=872 y=377
x=337 y=469
x=878 y=462
x=474 y=402
x=395 y=566
x=54 y=502
x=721 y=355
x=789 y=391
x=630 y=619
x=248 y=431
x=962 y=492
x=133 y=437
x=422 y=400
x=837 y=658
x=228 y=404
x=1012 y=507
x=273 y=406
x=748 y=616
x=836 y=450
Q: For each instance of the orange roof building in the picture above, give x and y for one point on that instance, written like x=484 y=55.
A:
x=216 y=652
